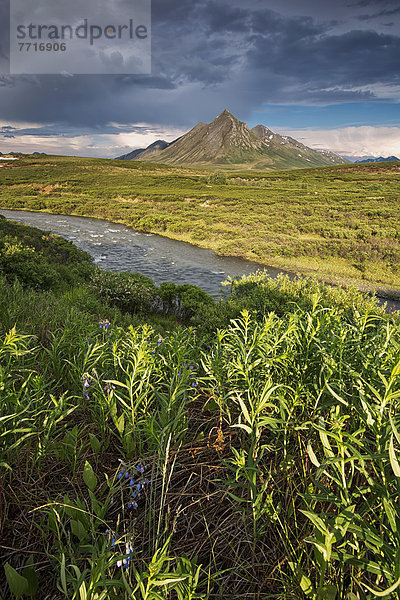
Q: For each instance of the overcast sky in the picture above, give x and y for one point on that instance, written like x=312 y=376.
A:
x=326 y=72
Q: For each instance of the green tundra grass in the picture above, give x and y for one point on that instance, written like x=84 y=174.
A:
x=339 y=223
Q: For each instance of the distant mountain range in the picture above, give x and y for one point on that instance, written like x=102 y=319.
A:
x=376 y=160
x=228 y=141
x=21 y=153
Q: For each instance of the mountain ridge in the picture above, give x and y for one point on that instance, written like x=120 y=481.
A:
x=227 y=141
x=377 y=160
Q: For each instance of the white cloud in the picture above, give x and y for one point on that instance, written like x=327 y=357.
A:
x=352 y=141
x=50 y=145
x=97 y=145
x=126 y=141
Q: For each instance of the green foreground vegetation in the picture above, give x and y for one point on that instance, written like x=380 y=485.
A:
x=155 y=444
x=338 y=223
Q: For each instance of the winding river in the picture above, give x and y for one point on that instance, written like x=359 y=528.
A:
x=118 y=248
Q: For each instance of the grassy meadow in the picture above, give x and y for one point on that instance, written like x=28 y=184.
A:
x=338 y=223
x=158 y=445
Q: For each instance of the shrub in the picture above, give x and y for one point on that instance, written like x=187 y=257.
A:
x=131 y=292
x=21 y=262
x=217 y=178
x=187 y=302
x=192 y=300
x=40 y=260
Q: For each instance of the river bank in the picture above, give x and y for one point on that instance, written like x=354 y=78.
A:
x=117 y=247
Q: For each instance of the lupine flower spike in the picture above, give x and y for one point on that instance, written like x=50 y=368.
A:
x=135 y=487
x=108 y=388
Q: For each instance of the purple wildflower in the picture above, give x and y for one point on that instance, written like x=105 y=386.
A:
x=104 y=324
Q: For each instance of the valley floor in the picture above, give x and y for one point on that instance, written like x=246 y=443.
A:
x=340 y=224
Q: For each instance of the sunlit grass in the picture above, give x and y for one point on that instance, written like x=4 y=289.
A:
x=334 y=222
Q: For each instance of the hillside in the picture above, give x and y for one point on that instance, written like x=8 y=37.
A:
x=155 y=147
x=339 y=223
x=228 y=141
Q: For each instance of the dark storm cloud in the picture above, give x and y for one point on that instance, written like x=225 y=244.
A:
x=336 y=95
x=354 y=58
x=363 y=3
x=267 y=22
x=382 y=13
x=209 y=54
x=51 y=131
x=159 y=82
x=220 y=18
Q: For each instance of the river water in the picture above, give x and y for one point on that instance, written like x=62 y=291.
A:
x=118 y=248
